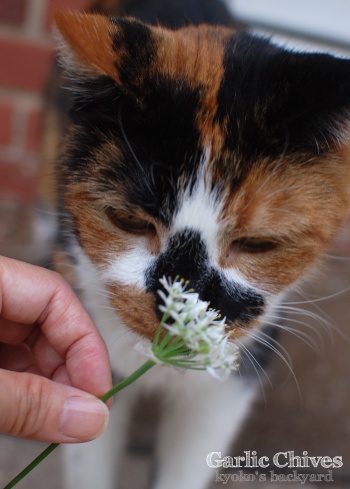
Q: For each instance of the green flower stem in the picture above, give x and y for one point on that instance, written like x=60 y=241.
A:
x=129 y=380
x=32 y=465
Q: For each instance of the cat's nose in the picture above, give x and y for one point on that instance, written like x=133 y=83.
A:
x=186 y=257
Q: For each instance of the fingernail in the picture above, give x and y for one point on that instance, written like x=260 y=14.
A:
x=83 y=418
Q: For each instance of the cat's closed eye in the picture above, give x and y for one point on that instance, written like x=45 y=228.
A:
x=253 y=245
x=130 y=223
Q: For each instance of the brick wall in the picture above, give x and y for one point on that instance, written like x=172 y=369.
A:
x=25 y=59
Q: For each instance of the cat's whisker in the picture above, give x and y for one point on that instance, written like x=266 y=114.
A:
x=113 y=339
x=255 y=364
x=46 y=211
x=305 y=312
x=337 y=257
x=317 y=146
x=326 y=325
x=302 y=335
x=286 y=361
x=331 y=327
x=265 y=338
x=298 y=312
x=319 y=299
x=321 y=316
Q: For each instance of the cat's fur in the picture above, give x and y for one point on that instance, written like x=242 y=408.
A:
x=198 y=151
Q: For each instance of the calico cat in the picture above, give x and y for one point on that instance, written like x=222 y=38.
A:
x=196 y=150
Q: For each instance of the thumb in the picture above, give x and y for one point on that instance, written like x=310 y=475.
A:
x=34 y=407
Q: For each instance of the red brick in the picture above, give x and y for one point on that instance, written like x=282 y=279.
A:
x=6 y=115
x=16 y=181
x=63 y=4
x=34 y=130
x=13 y=11
x=24 y=64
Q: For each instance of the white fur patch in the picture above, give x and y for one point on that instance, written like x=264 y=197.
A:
x=200 y=211
x=129 y=268
x=233 y=275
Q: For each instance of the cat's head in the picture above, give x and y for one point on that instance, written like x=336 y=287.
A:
x=203 y=153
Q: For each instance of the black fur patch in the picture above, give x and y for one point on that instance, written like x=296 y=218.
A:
x=276 y=101
x=135 y=41
x=186 y=257
x=158 y=141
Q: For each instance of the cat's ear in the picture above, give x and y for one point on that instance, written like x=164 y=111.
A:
x=85 y=43
x=93 y=45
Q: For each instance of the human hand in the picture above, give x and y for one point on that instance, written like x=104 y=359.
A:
x=53 y=362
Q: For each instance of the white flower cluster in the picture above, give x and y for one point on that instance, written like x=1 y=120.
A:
x=201 y=328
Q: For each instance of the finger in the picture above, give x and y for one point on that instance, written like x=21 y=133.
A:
x=31 y=294
x=68 y=328
x=34 y=407
x=18 y=358
x=47 y=359
x=27 y=291
x=14 y=333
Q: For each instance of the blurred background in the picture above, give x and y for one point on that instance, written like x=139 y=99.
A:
x=303 y=410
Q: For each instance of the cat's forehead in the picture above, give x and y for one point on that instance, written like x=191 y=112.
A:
x=176 y=76
x=203 y=85
x=191 y=53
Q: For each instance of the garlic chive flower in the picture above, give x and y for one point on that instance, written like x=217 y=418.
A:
x=196 y=337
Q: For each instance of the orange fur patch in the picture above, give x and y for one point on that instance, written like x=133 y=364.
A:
x=89 y=36
x=136 y=308
x=286 y=206
x=195 y=54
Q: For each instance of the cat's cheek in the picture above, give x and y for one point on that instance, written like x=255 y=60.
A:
x=135 y=307
x=125 y=279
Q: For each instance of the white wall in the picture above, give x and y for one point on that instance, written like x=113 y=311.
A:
x=325 y=21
